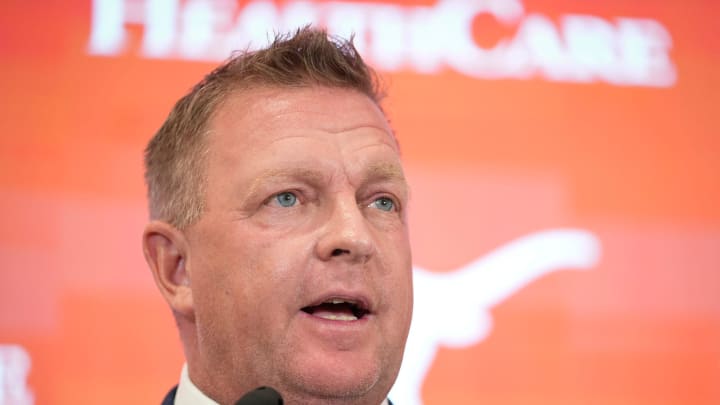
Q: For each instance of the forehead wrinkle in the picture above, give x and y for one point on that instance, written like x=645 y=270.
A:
x=330 y=130
x=299 y=112
x=351 y=128
x=388 y=139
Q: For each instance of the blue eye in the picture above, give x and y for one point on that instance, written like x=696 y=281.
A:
x=384 y=204
x=286 y=199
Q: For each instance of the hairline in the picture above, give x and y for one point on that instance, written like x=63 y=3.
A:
x=176 y=158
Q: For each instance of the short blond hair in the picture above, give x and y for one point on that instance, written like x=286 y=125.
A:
x=175 y=157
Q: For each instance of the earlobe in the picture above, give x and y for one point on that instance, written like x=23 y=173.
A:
x=165 y=250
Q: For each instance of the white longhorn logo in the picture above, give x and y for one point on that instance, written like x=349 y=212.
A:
x=475 y=289
x=15 y=365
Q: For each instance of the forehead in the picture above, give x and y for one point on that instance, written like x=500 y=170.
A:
x=262 y=114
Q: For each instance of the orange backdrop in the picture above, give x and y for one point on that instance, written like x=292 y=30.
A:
x=490 y=159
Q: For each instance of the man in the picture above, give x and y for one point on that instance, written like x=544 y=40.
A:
x=278 y=231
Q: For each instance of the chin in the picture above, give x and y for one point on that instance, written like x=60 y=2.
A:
x=339 y=379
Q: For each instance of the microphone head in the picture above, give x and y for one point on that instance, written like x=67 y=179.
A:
x=261 y=396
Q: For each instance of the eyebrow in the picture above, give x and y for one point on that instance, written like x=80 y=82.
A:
x=375 y=173
x=313 y=176
x=387 y=172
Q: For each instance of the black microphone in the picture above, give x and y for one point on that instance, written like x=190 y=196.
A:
x=261 y=396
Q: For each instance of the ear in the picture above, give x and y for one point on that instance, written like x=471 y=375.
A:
x=165 y=249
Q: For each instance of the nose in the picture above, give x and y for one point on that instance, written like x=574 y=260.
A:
x=346 y=235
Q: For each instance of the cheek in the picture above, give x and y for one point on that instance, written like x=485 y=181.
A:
x=279 y=258
x=394 y=250
x=272 y=277
x=221 y=279
x=237 y=311
x=396 y=281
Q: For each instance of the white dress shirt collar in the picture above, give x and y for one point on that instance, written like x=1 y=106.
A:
x=188 y=394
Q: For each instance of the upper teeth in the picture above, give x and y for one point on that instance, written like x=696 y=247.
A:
x=338 y=301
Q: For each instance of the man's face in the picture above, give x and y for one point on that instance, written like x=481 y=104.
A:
x=300 y=266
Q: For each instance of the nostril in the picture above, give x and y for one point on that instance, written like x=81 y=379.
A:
x=338 y=252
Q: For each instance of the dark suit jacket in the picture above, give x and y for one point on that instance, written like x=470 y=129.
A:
x=170 y=397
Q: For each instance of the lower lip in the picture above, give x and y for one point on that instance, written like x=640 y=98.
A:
x=337 y=336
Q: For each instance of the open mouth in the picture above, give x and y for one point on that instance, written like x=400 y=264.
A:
x=338 y=309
